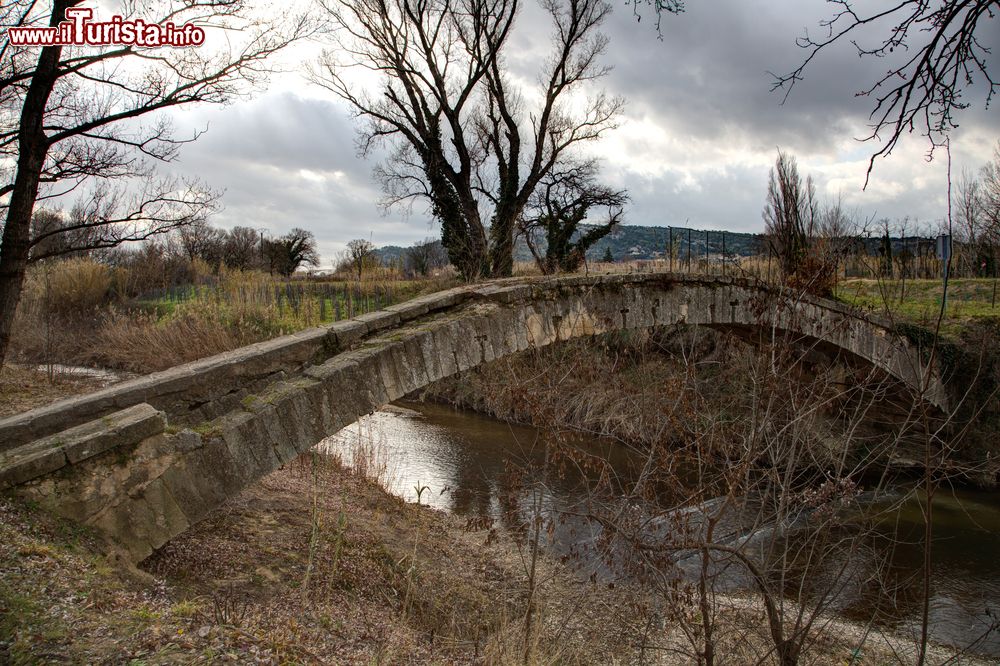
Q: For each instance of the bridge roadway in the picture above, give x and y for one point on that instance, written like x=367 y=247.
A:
x=145 y=459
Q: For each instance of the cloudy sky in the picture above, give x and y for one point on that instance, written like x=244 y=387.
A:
x=699 y=133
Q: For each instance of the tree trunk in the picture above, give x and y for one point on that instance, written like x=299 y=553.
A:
x=32 y=145
x=502 y=239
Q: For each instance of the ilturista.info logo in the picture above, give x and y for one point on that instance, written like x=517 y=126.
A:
x=79 y=29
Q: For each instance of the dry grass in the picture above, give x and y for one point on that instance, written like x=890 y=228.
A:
x=389 y=582
x=70 y=287
x=68 y=314
x=140 y=343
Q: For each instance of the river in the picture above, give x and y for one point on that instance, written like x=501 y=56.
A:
x=465 y=463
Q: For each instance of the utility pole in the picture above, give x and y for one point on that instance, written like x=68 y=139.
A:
x=723 y=253
x=689 y=249
x=707 y=265
x=670 y=247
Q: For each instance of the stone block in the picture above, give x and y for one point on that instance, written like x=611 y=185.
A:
x=377 y=321
x=445 y=299
x=343 y=334
x=127 y=427
x=410 y=309
x=245 y=439
x=505 y=294
x=168 y=518
x=26 y=463
x=124 y=428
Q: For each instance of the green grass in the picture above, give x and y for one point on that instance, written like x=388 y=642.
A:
x=278 y=306
x=919 y=301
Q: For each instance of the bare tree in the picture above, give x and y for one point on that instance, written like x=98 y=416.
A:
x=423 y=257
x=200 y=240
x=464 y=136
x=242 y=248
x=989 y=196
x=968 y=207
x=935 y=50
x=360 y=256
x=557 y=209
x=70 y=115
x=109 y=216
x=791 y=214
x=48 y=227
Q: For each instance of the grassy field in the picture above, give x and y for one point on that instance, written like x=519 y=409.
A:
x=919 y=301
x=165 y=327
x=285 y=305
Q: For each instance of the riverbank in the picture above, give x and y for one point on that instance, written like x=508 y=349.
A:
x=314 y=564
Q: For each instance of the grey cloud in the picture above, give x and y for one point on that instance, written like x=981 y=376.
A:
x=287 y=160
x=710 y=74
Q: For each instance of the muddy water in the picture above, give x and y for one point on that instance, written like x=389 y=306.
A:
x=469 y=465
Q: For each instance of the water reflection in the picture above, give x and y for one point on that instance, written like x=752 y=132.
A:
x=474 y=466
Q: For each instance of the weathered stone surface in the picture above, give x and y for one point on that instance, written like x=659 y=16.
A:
x=377 y=321
x=129 y=425
x=345 y=333
x=76 y=444
x=29 y=462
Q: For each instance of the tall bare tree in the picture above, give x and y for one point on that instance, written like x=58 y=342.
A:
x=466 y=139
x=791 y=213
x=70 y=116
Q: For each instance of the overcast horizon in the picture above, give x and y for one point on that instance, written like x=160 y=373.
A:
x=699 y=133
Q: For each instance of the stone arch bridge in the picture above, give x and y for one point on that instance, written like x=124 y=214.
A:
x=145 y=459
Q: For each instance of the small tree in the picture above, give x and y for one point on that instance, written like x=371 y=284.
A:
x=789 y=215
x=885 y=251
x=608 y=258
x=423 y=257
x=792 y=220
x=557 y=210
x=361 y=256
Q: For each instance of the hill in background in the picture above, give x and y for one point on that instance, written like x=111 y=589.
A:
x=634 y=242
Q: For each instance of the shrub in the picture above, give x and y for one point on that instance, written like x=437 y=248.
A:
x=70 y=287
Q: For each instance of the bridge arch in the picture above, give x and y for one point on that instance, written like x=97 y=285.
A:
x=145 y=459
